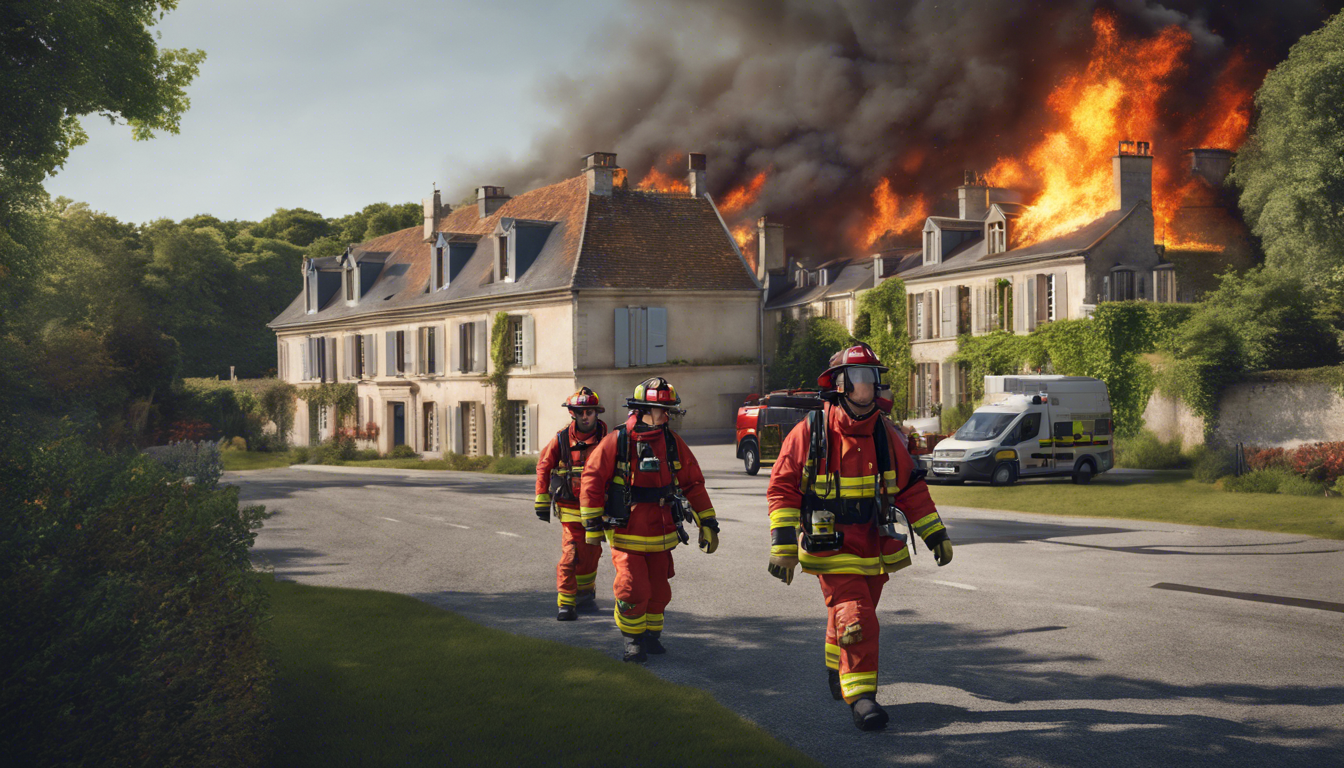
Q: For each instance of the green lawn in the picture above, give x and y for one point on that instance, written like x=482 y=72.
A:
x=1170 y=497
x=235 y=461
x=373 y=679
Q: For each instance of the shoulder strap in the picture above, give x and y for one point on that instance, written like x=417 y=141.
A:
x=562 y=438
x=673 y=454
x=816 y=449
x=623 y=453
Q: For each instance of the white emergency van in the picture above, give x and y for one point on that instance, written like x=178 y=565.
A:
x=1030 y=426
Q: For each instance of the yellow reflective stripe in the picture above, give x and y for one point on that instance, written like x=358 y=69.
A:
x=588 y=513
x=704 y=513
x=889 y=478
x=585 y=579
x=543 y=498
x=925 y=522
x=926 y=534
x=635 y=625
x=563 y=599
x=618 y=480
x=855 y=683
x=633 y=543
x=569 y=515
x=833 y=656
x=653 y=622
x=785 y=517
x=783 y=550
x=844 y=562
x=593 y=537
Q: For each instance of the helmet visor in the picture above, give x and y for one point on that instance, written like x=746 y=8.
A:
x=862 y=375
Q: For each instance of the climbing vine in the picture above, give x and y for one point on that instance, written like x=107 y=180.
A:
x=342 y=396
x=498 y=378
x=880 y=323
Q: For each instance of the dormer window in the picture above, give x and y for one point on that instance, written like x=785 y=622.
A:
x=931 y=246
x=440 y=269
x=998 y=237
x=350 y=279
x=504 y=275
x=310 y=290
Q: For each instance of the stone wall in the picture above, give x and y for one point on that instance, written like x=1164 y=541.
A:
x=1256 y=413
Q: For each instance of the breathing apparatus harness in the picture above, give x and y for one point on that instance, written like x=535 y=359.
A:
x=562 y=488
x=622 y=493
x=819 y=516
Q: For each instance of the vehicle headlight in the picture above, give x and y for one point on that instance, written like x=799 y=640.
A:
x=980 y=454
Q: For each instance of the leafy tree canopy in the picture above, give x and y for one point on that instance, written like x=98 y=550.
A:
x=59 y=61
x=1289 y=171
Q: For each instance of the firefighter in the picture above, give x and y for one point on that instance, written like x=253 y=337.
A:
x=853 y=494
x=641 y=488
x=559 y=470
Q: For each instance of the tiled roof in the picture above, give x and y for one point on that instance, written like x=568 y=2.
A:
x=629 y=240
x=855 y=276
x=657 y=240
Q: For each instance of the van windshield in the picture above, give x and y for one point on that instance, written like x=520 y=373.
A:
x=984 y=426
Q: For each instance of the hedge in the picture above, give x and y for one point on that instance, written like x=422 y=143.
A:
x=130 y=630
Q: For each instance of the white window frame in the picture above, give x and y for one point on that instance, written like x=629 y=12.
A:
x=520 y=427
x=1050 y=297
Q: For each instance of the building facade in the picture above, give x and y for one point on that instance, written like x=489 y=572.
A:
x=602 y=286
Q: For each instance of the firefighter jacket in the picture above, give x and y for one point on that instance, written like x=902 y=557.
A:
x=851 y=472
x=651 y=527
x=568 y=470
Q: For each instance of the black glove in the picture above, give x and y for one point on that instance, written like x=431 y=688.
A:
x=544 y=511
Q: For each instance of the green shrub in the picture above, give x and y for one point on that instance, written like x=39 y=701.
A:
x=1210 y=463
x=301 y=455
x=951 y=419
x=130 y=633
x=1259 y=481
x=464 y=463
x=1294 y=485
x=1338 y=488
x=367 y=454
x=514 y=465
x=235 y=444
x=403 y=451
x=270 y=442
x=199 y=461
x=1146 y=451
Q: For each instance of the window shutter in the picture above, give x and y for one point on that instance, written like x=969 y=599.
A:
x=529 y=341
x=390 y=352
x=977 y=309
x=422 y=350
x=1029 y=308
x=621 y=335
x=657 y=335
x=455 y=428
x=440 y=348
x=347 y=365
x=307 y=359
x=330 y=368
x=948 y=312
x=479 y=346
x=455 y=347
x=533 y=412
x=1061 y=295
x=366 y=369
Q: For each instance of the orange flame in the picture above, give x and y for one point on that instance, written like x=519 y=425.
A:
x=1115 y=97
x=892 y=214
x=658 y=181
x=738 y=198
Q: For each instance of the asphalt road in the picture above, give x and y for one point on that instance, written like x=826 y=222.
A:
x=1044 y=642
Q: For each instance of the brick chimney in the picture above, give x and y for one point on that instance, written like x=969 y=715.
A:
x=1209 y=164
x=695 y=174
x=972 y=197
x=489 y=199
x=769 y=247
x=600 y=168
x=434 y=210
x=1132 y=174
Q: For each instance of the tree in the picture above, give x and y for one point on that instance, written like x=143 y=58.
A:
x=59 y=61
x=1289 y=171
x=298 y=226
x=805 y=351
x=881 y=323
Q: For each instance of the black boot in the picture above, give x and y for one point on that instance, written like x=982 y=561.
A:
x=634 y=650
x=586 y=602
x=567 y=613
x=833 y=678
x=868 y=714
x=652 y=644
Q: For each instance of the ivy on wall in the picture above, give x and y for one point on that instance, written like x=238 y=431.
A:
x=880 y=323
x=498 y=378
x=1107 y=347
x=342 y=396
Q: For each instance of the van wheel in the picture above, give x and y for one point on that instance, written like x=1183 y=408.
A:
x=1004 y=474
x=1083 y=472
x=751 y=460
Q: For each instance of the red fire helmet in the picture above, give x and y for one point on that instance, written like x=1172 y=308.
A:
x=583 y=399
x=656 y=392
x=859 y=355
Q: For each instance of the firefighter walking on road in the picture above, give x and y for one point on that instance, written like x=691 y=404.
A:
x=559 y=473
x=843 y=496
x=642 y=487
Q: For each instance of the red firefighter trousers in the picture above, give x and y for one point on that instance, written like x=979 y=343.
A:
x=641 y=589
x=576 y=574
x=852 y=599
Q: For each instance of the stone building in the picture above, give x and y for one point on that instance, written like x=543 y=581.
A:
x=975 y=277
x=603 y=286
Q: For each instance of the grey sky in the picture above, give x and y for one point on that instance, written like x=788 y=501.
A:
x=334 y=104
